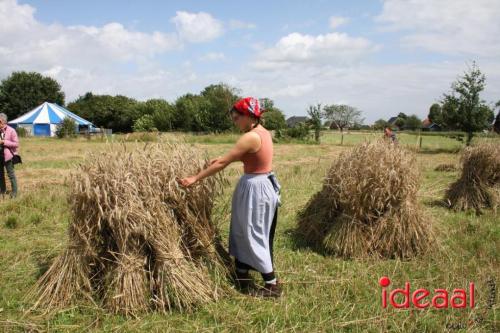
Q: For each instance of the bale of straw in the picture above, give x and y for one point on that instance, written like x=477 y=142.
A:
x=140 y=241
x=479 y=183
x=368 y=206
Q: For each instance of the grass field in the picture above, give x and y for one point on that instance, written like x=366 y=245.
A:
x=321 y=293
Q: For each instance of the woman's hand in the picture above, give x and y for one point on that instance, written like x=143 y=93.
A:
x=212 y=161
x=188 y=181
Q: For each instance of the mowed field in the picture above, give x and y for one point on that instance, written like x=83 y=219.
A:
x=321 y=293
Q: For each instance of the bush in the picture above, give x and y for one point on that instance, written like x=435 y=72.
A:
x=144 y=124
x=66 y=128
x=300 y=132
x=21 y=132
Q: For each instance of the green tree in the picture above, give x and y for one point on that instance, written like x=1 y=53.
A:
x=144 y=124
x=400 y=122
x=342 y=116
x=161 y=112
x=116 y=112
x=315 y=113
x=402 y=115
x=413 y=122
x=435 y=114
x=23 y=91
x=496 y=125
x=274 y=118
x=217 y=100
x=463 y=107
x=380 y=124
x=66 y=128
x=187 y=115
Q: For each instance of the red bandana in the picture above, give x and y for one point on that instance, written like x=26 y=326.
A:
x=248 y=106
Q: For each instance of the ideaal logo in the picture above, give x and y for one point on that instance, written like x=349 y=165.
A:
x=423 y=298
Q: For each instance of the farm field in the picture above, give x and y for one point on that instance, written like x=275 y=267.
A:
x=321 y=293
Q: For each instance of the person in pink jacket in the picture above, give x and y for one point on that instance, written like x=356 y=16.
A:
x=9 y=143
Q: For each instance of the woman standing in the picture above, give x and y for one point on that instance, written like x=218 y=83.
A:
x=255 y=200
x=8 y=147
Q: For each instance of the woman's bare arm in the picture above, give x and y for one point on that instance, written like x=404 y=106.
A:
x=247 y=143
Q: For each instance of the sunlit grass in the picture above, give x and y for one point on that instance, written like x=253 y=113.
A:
x=320 y=293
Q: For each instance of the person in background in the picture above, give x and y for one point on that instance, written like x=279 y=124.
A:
x=9 y=144
x=255 y=200
x=389 y=134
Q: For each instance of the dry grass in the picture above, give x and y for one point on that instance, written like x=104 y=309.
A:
x=368 y=206
x=138 y=241
x=479 y=183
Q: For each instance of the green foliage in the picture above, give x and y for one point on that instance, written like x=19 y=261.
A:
x=21 y=132
x=189 y=114
x=380 y=124
x=496 y=125
x=66 y=128
x=400 y=122
x=145 y=124
x=161 y=112
x=115 y=112
x=217 y=101
x=436 y=114
x=413 y=122
x=23 y=91
x=315 y=113
x=463 y=109
x=299 y=132
x=274 y=119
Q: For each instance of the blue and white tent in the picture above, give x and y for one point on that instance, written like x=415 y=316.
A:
x=43 y=120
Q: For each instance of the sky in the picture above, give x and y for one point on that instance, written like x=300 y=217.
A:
x=381 y=56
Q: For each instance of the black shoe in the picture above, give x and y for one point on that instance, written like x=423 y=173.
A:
x=244 y=282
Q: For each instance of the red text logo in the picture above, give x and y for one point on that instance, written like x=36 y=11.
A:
x=422 y=298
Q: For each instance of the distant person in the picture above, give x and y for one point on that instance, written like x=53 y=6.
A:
x=389 y=134
x=255 y=201
x=9 y=144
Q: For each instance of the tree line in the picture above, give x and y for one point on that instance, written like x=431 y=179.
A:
x=207 y=111
x=461 y=109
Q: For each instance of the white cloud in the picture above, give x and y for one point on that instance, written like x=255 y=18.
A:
x=213 y=56
x=336 y=21
x=197 y=27
x=29 y=44
x=380 y=91
x=446 y=26
x=237 y=24
x=332 y=48
x=296 y=90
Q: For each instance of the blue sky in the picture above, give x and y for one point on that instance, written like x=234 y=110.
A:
x=383 y=57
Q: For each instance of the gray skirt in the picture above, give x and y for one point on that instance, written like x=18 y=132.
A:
x=253 y=206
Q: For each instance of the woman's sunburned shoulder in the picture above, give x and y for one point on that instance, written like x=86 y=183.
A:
x=250 y=142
